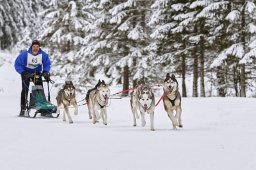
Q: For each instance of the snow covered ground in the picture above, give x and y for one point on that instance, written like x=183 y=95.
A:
x=218 y=134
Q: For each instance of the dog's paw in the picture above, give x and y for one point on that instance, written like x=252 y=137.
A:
x=70 y=122
x=180 y=126
x=134 y=125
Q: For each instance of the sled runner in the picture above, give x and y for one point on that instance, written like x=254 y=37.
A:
x=37 y=102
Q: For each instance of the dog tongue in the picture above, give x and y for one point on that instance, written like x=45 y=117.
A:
x=145 y=108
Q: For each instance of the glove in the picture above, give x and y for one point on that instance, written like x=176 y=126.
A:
x=46 y=75
x=26 y=75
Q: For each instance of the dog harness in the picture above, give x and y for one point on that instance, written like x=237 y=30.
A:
x=100 y=104
x=172 y=101
x=68 y=98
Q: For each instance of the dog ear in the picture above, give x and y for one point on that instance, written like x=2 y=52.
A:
x=73 y=85
x=168 y=75
x=173 y=76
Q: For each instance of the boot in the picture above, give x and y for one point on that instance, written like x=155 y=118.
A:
x=22 y=112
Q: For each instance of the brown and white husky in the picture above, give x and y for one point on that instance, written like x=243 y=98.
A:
x=172 y=100
x=97 y=100
x=66 y=96
x=143 y=100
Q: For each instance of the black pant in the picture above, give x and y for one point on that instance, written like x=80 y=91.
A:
x=25 y=89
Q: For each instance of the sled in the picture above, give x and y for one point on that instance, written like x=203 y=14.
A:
x=37 y=102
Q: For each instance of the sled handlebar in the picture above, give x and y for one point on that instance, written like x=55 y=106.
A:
x=35 y=76
x=50 y=80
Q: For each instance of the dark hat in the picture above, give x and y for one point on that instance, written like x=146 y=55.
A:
x=35 y=42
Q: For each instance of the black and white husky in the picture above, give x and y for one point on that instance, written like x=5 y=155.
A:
x=172 y=100
x=66 y=96
x=97 y=100
x=143 y=99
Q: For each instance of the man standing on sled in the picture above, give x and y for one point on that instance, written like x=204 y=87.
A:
x=27 y=64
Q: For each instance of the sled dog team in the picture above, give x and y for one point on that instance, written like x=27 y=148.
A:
x=142 y=100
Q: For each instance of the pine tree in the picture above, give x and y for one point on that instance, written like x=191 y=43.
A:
x=118 y=39
x=63 y=34
x=97 y=50
x=170 y=29
x=130 y=18
x=239 y=34
x=17 y=21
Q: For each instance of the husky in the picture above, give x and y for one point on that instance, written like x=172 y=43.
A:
x=97 y=100
x=143 y=99
x=66 y=96
x=172 y=100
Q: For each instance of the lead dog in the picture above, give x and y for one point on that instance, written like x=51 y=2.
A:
x=172 y=100
x=66 y=96
x=97 y=100
x=143 y=99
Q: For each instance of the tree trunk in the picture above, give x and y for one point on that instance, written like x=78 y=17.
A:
x=134 y=82
x=195 y=74
x=126 y=80
x=183 y=72
x=236 y=81
x=202 y=86
x=221 y=87
x=242 y=66
x=242 y=81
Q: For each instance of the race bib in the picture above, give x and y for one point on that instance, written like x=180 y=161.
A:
x=34 y=61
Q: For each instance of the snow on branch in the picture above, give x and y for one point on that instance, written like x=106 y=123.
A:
x=201 y=3
x=73 y=11
x=183 y=16
x=56 y=37
x=236 y=50
x=233 y=16
x=122 y=6
x=250 y=7
x=178 y=7
x=124 y=27
x=160 y=31
x=137 y=33
x=160 y=4
x=251 y=28
x=207 y=11
x=248 y=57
x=253 y=44
x=118 y=18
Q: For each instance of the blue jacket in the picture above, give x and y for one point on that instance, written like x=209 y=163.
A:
x=27 y=62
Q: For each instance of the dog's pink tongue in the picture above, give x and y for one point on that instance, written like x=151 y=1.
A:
x=145 y=108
